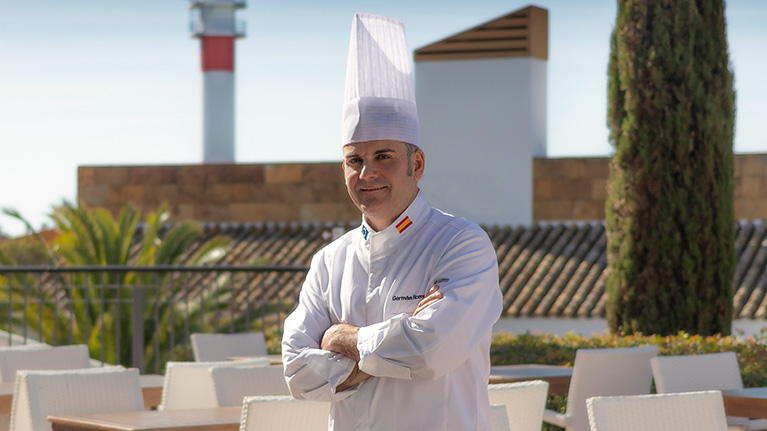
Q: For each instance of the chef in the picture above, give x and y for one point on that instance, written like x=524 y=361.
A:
x=394 y=319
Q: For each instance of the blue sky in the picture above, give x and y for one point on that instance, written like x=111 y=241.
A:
x=102 y=82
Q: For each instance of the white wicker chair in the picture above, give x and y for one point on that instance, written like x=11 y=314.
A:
x=699 y=411
x=232 y=384
x=524 y=402
x=189 y=385
x=603 y=372
x=39 y=394
x=283 y=413
x=51 y=358
x=710 y=371
x=218 y=347
x=31 y=346
x=5 y=418
x=499 y=420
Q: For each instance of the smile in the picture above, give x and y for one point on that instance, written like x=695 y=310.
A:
x=372 y=189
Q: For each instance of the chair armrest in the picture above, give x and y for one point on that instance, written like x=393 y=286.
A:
x=554 y=418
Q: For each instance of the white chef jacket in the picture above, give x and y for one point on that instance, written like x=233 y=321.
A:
x=430 y=371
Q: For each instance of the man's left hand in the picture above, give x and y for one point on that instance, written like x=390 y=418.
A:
x=342 y=338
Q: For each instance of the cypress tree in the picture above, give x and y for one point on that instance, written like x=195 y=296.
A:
x=670 y=222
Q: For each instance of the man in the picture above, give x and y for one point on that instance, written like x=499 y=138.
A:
x=394 y=321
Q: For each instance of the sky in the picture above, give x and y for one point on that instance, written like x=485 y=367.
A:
x=106 y=82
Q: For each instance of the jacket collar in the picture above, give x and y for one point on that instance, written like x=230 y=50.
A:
x=410 y=220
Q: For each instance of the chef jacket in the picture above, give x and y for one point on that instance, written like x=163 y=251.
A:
x=430 y=371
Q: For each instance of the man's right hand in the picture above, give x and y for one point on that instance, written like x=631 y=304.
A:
x=357 y=376
x=433 y=296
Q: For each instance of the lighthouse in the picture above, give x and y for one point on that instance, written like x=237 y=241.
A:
x=215 y=25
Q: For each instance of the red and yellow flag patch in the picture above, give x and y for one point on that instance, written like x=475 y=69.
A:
x=404 y=224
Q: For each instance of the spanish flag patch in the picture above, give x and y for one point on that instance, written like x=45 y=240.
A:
x=404 y=224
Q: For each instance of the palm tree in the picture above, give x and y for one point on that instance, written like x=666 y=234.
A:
x=91 y=236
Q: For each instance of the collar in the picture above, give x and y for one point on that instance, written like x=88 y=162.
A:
x=410 y=219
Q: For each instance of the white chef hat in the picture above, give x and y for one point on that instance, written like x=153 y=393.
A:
x=379 y=101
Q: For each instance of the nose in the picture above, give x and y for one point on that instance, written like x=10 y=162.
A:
x=368 y=171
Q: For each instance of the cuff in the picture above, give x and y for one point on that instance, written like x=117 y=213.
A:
x=369 y=339
x=337 y=369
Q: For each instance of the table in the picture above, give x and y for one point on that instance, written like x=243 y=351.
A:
x=273 y=359
x=748 y=402
x=215 y=419
x=151 y=386
x=557 y=376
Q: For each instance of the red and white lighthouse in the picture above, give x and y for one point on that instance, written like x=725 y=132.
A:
x=217 y=30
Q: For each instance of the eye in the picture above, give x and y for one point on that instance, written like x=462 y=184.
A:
x=383 y=156
x=353 y=160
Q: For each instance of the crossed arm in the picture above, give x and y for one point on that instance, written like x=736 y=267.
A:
x=342 y=338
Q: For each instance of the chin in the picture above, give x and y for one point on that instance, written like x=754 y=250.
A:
x=373 y=212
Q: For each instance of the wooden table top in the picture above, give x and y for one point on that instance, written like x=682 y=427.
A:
x=151 y=386
x=557 y=376
x=218 y=419
x=748 y=402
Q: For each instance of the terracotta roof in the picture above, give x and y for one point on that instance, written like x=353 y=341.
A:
x=546 y=270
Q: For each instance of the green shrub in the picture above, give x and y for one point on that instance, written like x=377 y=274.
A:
x=23 y=251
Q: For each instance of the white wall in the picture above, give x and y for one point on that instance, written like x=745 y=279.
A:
x=482 y=121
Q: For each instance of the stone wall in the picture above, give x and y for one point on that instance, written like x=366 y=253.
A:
x=223 y=192
x=575 y=188
x=563 y=189
x=569 y=188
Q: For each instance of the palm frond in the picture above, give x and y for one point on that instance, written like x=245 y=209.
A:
x=109 y=234
x=128 y=220
x=213 y=250
x=178 y=240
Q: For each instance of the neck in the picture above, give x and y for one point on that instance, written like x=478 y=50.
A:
x=379 y=225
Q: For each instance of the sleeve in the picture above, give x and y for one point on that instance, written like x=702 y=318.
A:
x=312 y=373
x=445 y=334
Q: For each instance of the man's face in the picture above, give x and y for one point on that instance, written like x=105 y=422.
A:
x=378 y=181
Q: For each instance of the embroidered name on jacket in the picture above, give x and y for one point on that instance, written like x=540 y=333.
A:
x=407 y=298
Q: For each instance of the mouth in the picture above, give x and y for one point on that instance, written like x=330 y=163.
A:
x=372 y=189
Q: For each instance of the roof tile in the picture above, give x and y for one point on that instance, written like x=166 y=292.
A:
x=545 y=270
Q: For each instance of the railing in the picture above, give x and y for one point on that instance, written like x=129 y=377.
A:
x=200 y=3
x=143 y=316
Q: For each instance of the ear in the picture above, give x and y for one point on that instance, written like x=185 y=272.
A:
x=419 y=164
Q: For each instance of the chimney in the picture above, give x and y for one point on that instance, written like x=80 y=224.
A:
x=482 y=109
x=217 y=29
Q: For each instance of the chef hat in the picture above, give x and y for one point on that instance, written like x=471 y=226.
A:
x=379 y=101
